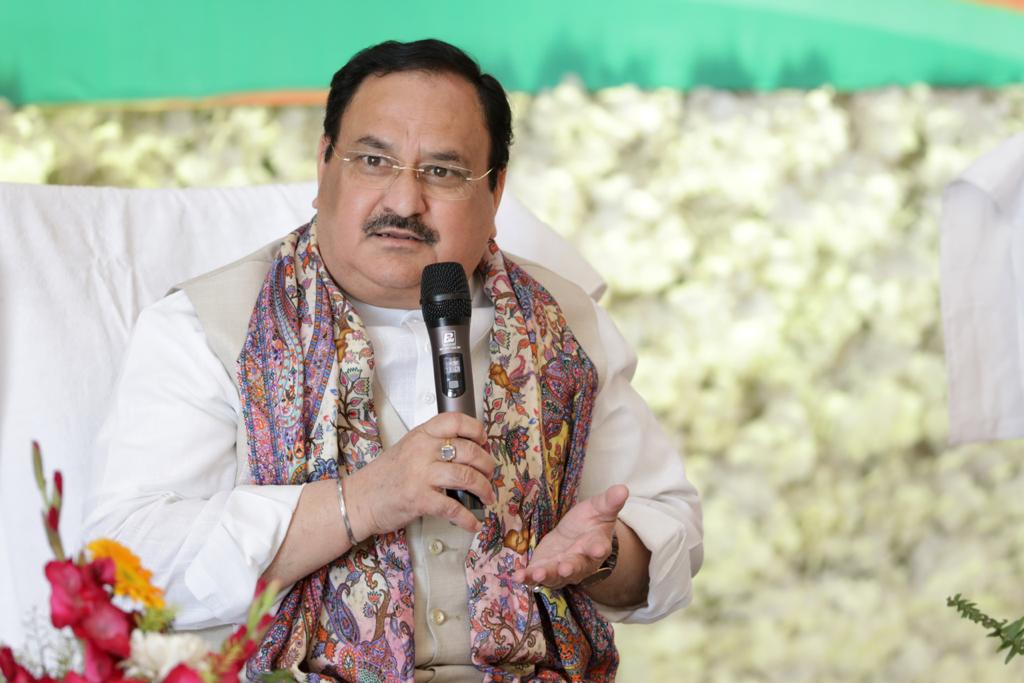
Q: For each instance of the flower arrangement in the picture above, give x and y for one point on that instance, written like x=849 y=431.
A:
x=119 y=618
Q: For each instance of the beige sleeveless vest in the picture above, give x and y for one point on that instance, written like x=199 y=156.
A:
x=224 y=300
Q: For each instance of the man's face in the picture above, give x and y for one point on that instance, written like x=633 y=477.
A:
x=415 y=117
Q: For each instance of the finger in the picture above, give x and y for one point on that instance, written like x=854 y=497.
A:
x=555 y=574
x=570 y=568
x=441 y=505
x=470 y=453
x=536 y=575
x=575 y=569
x=451 y=475
x=599 y=549
x=610 y=503
x=451 y=425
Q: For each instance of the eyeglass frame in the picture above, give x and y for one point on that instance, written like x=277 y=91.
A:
x=417 y=171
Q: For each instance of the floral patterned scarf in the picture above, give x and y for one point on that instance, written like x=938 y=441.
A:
x=305 y=376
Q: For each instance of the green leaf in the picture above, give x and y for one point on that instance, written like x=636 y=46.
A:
x=155 y=619
x=1014 y=629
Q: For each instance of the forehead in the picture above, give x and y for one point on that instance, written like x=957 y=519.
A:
x=418 y=113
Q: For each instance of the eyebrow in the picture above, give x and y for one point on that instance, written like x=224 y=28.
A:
x=374 y=142
x=447 y=155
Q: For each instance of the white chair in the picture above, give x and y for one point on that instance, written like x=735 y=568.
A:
x=982 y=289
x=76 y=266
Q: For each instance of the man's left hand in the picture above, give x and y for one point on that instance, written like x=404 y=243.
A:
x=577 y=546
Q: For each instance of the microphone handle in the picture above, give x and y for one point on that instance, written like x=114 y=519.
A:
x=453 y=385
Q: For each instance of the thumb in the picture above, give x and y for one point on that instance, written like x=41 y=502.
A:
x=610 y=503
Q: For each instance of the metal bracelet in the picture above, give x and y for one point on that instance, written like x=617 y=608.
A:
x=344 y=511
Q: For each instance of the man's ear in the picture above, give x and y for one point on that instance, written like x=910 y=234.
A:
x=321 y=165
x=499 y=189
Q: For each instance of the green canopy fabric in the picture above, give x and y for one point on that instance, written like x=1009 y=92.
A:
x=53 y=51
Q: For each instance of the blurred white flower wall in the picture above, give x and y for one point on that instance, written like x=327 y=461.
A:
x=774 y=259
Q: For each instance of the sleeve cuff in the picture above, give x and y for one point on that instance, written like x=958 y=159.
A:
x=671 y=585
x=238 y=550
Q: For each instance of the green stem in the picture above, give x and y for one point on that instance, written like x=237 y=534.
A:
x=1011 y=636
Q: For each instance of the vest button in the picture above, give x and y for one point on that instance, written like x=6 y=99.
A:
x=436 y=546
x=438 y=617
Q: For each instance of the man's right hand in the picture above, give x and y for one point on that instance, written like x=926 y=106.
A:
x=408 y=480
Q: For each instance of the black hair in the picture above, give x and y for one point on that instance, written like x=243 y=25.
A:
x=424 y=55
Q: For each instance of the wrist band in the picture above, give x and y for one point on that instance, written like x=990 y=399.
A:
x=344 y=512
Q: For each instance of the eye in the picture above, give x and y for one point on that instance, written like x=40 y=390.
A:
x=372 y=160
x=439 y=172
x=450 y=175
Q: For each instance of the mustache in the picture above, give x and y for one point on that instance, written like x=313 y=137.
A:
x=408 y=223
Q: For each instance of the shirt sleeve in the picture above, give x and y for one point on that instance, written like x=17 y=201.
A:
x=628 y=446
x=171 y=487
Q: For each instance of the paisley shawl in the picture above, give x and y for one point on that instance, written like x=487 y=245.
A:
x=305 y=378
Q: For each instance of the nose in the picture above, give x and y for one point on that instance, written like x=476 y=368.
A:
x=404 y=195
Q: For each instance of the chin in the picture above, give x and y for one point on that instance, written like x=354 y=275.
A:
x=397 y=274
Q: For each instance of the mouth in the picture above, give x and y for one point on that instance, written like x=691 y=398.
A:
x=395 y=234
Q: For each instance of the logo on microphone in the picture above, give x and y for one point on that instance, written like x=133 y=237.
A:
x=448 y=339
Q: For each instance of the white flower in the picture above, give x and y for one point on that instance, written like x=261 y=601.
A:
x=155 y=654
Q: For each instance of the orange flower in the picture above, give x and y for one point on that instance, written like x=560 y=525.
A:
x=133 y=580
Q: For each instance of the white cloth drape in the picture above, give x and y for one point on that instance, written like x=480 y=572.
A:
x=982 y=291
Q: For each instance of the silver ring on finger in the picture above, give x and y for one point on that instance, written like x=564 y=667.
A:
x=448 y=451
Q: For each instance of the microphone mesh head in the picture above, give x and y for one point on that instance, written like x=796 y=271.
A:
x=444 y=292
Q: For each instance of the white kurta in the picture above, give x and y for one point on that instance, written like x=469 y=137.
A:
x=174 y=490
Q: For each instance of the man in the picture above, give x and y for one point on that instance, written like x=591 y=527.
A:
x=275 y=419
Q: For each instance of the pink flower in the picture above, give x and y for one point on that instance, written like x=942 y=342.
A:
x=79 y=600
x=104 y=570
x=183 y=674
x=238 y=647
x=14 y=672
x=99 y=666
x=75 y=593
x=108 y=628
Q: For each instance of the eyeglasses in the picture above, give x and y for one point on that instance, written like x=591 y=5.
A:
x=438 y=180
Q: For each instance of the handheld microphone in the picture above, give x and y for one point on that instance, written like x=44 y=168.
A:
x=447 y=307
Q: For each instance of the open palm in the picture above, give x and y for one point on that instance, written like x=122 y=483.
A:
x=578 y=544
